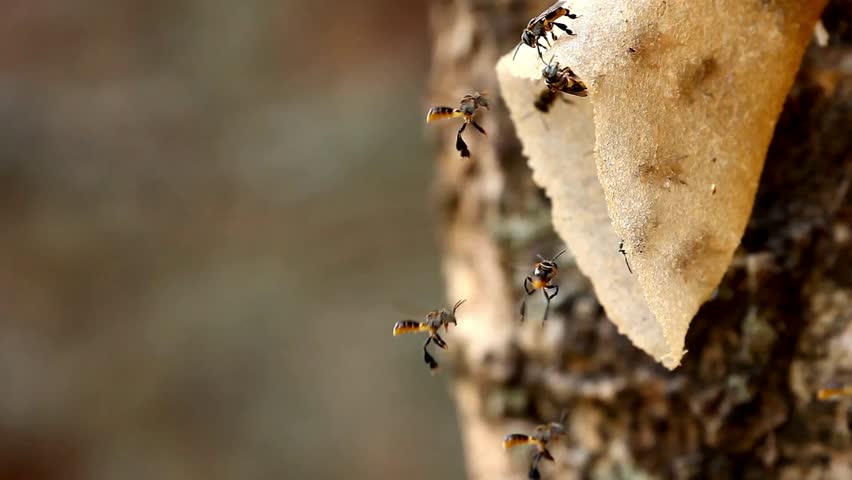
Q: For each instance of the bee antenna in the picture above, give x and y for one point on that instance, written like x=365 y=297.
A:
x=557 y=255
x=540 y=257
x=516 y=50
x=458 y=304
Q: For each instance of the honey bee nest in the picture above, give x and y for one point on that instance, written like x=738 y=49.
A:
x=681 y=95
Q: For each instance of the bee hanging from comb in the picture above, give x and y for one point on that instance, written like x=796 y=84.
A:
x=467 y=108
x=540 y=438
x=557 y=81
x=543 y=24
x=563 y=80
x=434 y=321
x=542 y=279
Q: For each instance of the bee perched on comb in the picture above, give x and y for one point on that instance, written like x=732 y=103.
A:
x=434 y=321
x=540 y=26
x=467 y=108
x=540 y=438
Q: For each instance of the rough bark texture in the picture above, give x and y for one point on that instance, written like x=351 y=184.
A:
x=742 y=404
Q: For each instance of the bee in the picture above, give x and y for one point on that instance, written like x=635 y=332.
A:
x=543 y=24
x=467 y=108
x=542 y=278
x=831 y=393
x=563 y=80
x=623 y=253
x=541 y=437
x=558 y=80
x=434 y=321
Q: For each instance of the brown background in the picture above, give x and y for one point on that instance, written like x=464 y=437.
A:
x=212 y=214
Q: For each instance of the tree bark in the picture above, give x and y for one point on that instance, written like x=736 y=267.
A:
x=743 y=402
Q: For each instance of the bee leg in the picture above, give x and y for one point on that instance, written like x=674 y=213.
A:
x=546 y=454
x=534 y=474
x=429 y=359
x=461 y=146
x=527 y=281
x=564 y=28
x=538 y=48
x=555 y=289
x=439 y=341
x=624 y=254
x=476 y=126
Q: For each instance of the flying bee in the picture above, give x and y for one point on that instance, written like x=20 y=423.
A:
x=542 y=435
x=543 y=24
x=542 y=278
x=434 y=321
x=467 y=108
x=831 y=393
x=623 y=253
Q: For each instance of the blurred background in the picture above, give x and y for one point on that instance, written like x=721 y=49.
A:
x=212 y=214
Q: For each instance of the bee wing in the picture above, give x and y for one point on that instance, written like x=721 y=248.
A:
x=549 y=13
x=440 y=113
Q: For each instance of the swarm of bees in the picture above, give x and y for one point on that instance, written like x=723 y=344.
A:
x=467 y=108
x=559 y=80
x=542 y=436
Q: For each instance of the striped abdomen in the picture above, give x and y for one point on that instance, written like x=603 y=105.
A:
x=409 y=326
x=440 y=113
x=515 y=439
x=828 y=393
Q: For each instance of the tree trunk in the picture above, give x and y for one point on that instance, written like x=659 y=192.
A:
x=743 y=402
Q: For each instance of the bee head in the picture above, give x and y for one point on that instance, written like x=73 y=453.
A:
x=450 y=317
x=544 y=269
x=528 y=38
x=480 y=100
x=550 y=71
